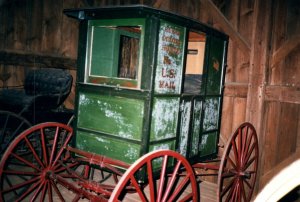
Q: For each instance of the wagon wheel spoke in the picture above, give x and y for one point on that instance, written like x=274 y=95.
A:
x=57 y=191
x=49 y=191
x=243 y=191
x=33 y=161
x=163 y=185
x=44 y=191
x=237 y=175
x=227 y=188
x=11 y=125
x=38 y=190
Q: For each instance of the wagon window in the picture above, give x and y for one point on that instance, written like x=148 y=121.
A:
x=114 y=53
x=194 y=63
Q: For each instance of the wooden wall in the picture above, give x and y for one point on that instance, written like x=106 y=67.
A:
x=262 y=78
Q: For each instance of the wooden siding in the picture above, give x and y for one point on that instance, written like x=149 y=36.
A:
x=262 y=78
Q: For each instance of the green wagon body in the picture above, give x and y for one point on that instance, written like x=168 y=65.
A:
x=147 y=80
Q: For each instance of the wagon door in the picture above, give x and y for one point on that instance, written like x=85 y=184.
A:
x=200 y=112
x=192 y=95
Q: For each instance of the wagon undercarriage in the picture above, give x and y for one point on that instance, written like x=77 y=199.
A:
x=39 y=165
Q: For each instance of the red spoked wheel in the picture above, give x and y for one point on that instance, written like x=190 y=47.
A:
x=238 y=168
x=11 y=125
x=169 y=177
x=34 y=164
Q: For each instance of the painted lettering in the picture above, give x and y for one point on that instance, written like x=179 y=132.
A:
x=167 y=84
x=168 y=73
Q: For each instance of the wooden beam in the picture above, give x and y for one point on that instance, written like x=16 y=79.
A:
x=236 y=90
x=227 y=27
x=157 y=3
x=285 y=50
x=259 y=56
x=30 y=59
x=283 y=94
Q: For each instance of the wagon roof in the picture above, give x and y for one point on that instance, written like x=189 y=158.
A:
x=142 y=11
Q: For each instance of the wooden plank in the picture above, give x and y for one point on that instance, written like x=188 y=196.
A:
x=208 y=191
x=239 y=112
x=3 y=25
x=298 y=133
x=227 y=27
x=280 y=13
x=236 y=90
x=288 y=161
x=232 y=58
x=271 y=135
x=287 y=134
x=70 y=30
x=51 y=22
x=29 y=59
x=291 y=70
x=283 y=94
x=281 y=53
x=35 y=28
x=226 y=124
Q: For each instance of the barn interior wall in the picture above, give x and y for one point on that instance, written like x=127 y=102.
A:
x=262 y=78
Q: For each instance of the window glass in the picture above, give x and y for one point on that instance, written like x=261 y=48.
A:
x=194 y=62
x=114 y=51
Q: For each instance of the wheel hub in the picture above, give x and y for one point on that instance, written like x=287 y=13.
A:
x=47 y=174
x=240 y=173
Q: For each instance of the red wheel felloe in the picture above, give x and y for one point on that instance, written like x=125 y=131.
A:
x=11 y=125
x=30 y=168
x=238 y=168
x=169 y=176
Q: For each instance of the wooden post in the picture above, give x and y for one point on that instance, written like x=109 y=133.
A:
x=257 y=71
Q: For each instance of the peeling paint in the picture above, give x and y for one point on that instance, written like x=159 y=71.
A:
x=203 y=142
x=164 y=118
x=110 y=147
x=170 y=58
x=196 y=128
x=211 y=116
x=184 y=130
x=119 y=116
x=132 y=153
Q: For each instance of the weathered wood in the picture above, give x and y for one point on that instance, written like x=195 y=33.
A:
x=283 y=94
x=29 y=59
x=271 y=132
x=276 y=169
x=227 y=27
x=232 y=57
x=257 y=71
x=258 y=62
x=288 y=132
x=276 y=72
x=236 y=90
x=208 y=192
x=239 y=112
x=51 y=36
x=69 y=27
x=283 y=51
x=226 y=124
x=34 y=25
x=157 y=3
